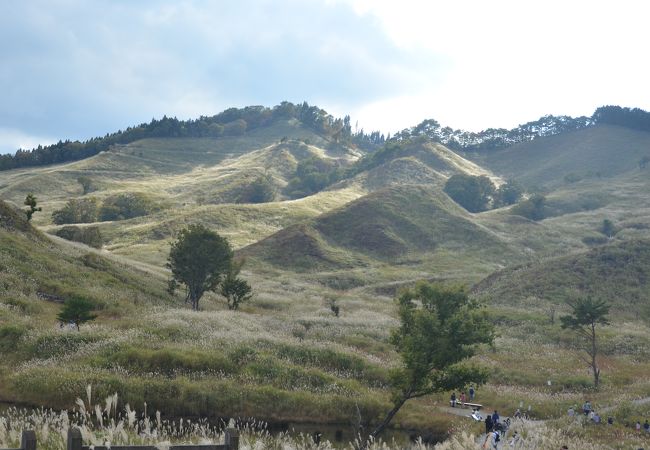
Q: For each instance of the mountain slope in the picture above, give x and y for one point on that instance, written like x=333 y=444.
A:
x=599 y=151
x=392 y=225
x=618 y=272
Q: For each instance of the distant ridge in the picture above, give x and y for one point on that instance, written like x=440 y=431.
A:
x=236 y=121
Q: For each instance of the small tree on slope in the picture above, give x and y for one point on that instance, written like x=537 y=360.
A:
x=198 y=259
x=586 y=315
x=440 y=327
x=77 y=310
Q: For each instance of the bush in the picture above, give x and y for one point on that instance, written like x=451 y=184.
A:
x=508 y=194
x=312 y=175
x=76 y=211
x=127 y=206
x=533 y=208
x=10 y=336
x=472 y=193
x=90 y=236
x=261 y=190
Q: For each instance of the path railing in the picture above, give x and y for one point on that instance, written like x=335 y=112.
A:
x=27 y=441
x=75 y=442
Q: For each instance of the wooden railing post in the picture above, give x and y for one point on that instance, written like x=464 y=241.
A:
x=232 y=439
x=74 y=438
x=28 y=440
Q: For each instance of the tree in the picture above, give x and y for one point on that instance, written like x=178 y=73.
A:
x=198 y=259
x=261 y=190
x=440 y=327
x=86 y=184
x=77 y=310
x=470 y=192
x=533 y=208
x=234 y=289
x=508 y=193
x=30 y=201
x=608 y=228
x=77 y=211
x=586 y=315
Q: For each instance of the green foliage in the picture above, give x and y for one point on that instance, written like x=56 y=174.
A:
x=312 y=175
x=440 y=327
x=198 y=259
x=77 y=211
x=508 y=193
x=77 y=310
x=30 y=201
x=261 y=190
x=608 y=228
x=10 y=336
x=86 y=184
x=586 y=314
x=126 y=206
x=470 y=192
x=235 y=290
x=532 y=208
x=86 y=235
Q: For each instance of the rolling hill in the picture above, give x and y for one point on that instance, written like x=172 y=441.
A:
x=599 y=151
x=396 y=225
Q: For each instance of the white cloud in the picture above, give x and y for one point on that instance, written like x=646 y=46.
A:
x=12 y=140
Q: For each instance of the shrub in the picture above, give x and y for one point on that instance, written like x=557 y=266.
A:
x=10 y=336
x=533 y=208
x=470 y=192
x=77 y=211
x=261 y=190
x=127 y=206
x=90 y=236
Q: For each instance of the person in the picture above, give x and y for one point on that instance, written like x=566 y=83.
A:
x=495 y=417
x=638 y=426
x=596 y=417
x=571 y=412
x=646 y=426
x=610 y=420
x=517 y=414
x=492 y=440
x=586 y=408
x=471 y=393
x=462 y=398
x=514 y=439
x=476 y=415
x=453 y=399
x=488 y=424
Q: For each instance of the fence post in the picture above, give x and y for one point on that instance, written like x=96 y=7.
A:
x=74 y=438
x=231 y=438
x=28 y=440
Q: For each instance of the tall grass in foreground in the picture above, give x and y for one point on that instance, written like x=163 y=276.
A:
x=103 y=424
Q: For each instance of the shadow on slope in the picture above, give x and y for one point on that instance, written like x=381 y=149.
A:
x=618 y=272
x=600 y=151
x=393 y=225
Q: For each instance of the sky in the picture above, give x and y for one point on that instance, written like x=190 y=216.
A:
x=75 y=69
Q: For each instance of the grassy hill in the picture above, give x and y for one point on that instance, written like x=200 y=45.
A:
x=618 y=272
x=600 y=151
x=285 y=355
x=397 y=225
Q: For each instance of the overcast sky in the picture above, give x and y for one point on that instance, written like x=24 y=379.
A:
x=74 y=69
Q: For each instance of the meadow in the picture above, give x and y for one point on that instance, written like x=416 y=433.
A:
x=285 y=357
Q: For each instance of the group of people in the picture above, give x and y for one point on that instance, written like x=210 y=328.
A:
x=589 y=412
x=463 y=398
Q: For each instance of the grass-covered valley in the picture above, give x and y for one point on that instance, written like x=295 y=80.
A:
x=325 y=220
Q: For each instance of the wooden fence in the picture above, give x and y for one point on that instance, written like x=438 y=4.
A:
x=28 y=442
